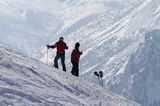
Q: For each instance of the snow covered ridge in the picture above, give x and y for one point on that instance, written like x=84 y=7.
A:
x=29 y=82
x=27 y=24
x=141 y=80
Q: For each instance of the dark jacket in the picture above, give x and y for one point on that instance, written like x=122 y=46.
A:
x=75 y=55
x=61 y=46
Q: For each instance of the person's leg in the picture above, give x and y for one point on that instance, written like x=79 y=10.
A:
x=76 y=69
x=73 y=68
x=72 y=71
x=56 y=61
x=63 y=62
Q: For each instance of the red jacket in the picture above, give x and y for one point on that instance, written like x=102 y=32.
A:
x=61 y=46
x=75 y=55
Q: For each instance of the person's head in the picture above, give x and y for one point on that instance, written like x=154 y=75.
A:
x=61 y=39
x=77 y=45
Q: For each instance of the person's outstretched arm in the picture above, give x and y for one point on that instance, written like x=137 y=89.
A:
x=66 y=46
x=52 y=46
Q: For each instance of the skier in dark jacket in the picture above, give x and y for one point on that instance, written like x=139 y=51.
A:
x=61 y=46
x=75 y=60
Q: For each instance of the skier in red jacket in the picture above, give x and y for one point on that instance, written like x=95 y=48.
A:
x=75 y=60
x=61 y=46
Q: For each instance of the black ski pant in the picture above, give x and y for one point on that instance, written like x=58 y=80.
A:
x=75 y=69
x=62 y=57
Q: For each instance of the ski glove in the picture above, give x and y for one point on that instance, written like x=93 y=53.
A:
x=48 y=46
x=80 y=53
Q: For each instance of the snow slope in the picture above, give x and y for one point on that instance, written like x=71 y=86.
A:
x=108 y=42
x=29 y=82
x=109 y=31
x=141 y=79
x=113 y=53
x=27 y=24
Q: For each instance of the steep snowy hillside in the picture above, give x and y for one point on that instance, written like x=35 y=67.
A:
x=109 y=40
x=141 y=79
x=108 y=46
x=100 y=34
x=29 y=82
x=109 y=31
x=28 y=26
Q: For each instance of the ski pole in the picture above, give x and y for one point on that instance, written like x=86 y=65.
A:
x=47 y=57
x=102 y=82
x=101 y=77
x=98 y=76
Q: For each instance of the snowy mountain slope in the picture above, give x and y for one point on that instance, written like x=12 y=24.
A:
x=109 y=40
x=109 y=31
x=141 y=81
x=29 y=82
x=117 y=53
x=91 y=30
x=26 y=25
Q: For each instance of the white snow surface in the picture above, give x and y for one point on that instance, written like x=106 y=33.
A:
x=25 y=81
x=110 y=32
x=141 y=78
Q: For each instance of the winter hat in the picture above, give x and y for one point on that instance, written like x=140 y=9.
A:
x=77 y=45
x=61 y=38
